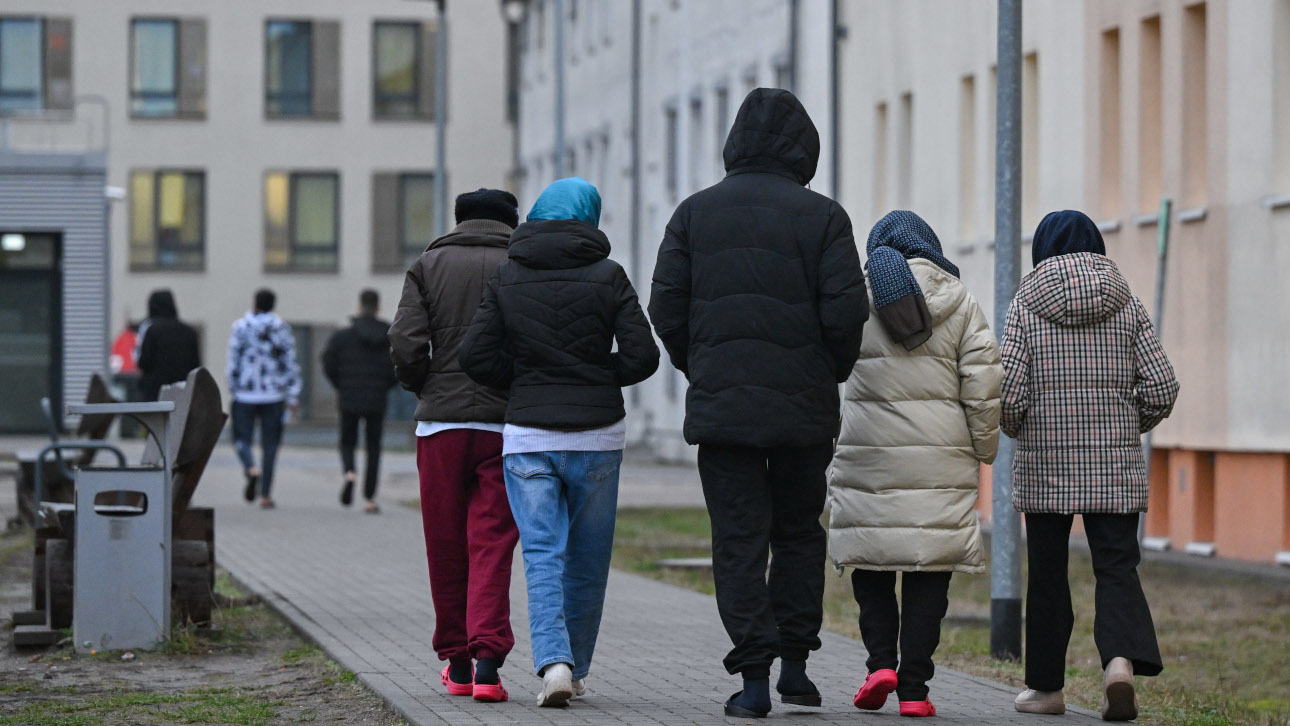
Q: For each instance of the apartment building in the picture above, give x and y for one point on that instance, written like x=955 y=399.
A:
x=1124 y=103
x=288 y=144
x=651 y=89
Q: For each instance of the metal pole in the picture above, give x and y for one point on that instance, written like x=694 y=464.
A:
x=793 y=20
x=635 y=273
x=835 y=151
x=1162 y=259
x=559 y=89
x=1005 y=571
x=441 y=121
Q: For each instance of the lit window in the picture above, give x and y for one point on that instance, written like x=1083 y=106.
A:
x=167 y=220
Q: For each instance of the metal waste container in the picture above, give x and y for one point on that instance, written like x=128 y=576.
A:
x=123 y=530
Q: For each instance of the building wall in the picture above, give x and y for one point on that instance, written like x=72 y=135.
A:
x=235 y=145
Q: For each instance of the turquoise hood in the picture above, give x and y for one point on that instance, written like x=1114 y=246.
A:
x=572 y=198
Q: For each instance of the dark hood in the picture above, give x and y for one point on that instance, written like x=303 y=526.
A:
x=371 y=331
x=1066 y=232
x=773 y=133
x=558 y=244
x=1075 y=289
x=161 y=304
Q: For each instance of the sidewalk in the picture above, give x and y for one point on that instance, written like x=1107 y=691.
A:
x=357 y=584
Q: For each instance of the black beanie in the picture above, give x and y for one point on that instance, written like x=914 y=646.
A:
x=494 y=204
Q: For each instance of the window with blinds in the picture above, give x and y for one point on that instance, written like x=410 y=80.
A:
x=403 y=218
x=168 y=68
x=167 y=220
x=302 y=69
x=301 y=221
x=403 y=70
x=35 y=64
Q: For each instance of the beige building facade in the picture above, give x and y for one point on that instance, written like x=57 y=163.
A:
x=287 y=144
x=1124 y=103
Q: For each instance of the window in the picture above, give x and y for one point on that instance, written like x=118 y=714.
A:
x=302 y=69
x=696 y=156
x=967 y=158
x=167 y=67
x=1150 y=148
x=784 y=74
x=403 y=70
x=671 y=154
x=1195 y=106
x=1109 y=123
x=301 y=221
x=880 y=171
x=35 y=64
x=905 y=153
x=1030 y=209
x=721 y=112
x=403 y=218
x=167 y=219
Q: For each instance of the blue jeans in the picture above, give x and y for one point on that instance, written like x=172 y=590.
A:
x=270 y=417
x=565 y=504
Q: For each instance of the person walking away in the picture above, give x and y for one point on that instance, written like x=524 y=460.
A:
x=166 y=349
x=1085 y=376
x=470 y=533
x=759 y=299
x=920 y=416
x=357 y=363
x=264 y=382
x=545 y=332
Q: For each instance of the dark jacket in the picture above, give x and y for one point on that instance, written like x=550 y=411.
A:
x=547 y=326
x=357 y=362
x=167 y=348
x=758 y=294
x=441 y=293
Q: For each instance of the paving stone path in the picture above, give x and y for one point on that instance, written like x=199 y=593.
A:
x=357 y=584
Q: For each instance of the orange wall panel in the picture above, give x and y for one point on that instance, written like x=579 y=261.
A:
x=1251 y=505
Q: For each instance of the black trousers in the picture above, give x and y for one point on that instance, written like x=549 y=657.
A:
x=372 y=438
x=914 y=624
x=759 y=500
x=1122 y=627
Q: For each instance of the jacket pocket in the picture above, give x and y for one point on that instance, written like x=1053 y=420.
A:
x=527 y=466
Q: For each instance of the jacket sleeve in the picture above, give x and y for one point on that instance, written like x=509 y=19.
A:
x=1015 y=353
x=410 y=333
x=483 y=351
x=980 y=376
x=291 y=369
x=1155 y=388
x=669 y=302
x=842 y=300
x=637 y=356
x=331 y=359
x=145 y=350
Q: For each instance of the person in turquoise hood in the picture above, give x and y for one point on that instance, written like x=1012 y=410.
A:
x=545 y=333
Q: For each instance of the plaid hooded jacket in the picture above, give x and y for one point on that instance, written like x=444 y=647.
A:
x=1084 y=377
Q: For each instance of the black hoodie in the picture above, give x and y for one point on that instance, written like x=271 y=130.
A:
x=167 y=348
x=758 y=294
x=547 y=326
x=357 y=362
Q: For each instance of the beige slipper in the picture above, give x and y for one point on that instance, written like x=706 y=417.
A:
x=1119 y=702
x=1046 y=702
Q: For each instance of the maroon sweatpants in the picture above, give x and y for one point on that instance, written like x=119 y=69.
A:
x=470 y=539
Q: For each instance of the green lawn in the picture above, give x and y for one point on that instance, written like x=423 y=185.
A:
x=1225 y=637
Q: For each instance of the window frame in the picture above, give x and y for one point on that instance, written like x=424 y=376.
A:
x=269 y=96
x=176 y=23
x=156 y=173
x=293 y=245
x=39 y=92
x=419 y=48
x=406 y=252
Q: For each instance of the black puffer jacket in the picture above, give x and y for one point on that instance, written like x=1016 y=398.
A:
x=758 y=294
x=357 y=362
x=547 y=325
x=167 y=347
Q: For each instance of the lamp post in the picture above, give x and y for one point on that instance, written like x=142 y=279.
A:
x=514 y=12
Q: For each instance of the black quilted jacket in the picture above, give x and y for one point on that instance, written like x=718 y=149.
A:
x=758 y=294
x=547 y=326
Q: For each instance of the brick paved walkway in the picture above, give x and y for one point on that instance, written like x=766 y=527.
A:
x=357 y=584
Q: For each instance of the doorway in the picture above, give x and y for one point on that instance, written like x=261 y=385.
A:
x=31 y=329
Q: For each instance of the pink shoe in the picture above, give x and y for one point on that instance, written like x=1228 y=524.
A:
x=917 y=709
x=877 y=686
x=490 y=693
x=456 y=689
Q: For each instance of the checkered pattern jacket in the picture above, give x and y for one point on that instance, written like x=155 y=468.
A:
x=1084 y=377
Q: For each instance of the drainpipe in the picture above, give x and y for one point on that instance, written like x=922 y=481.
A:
x=792 y=44
x=835 y=39
x=559 y=89
x=635 y=253
x=441 y=122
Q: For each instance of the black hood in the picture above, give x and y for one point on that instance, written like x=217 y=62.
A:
x=1067 y=232
x=773 y=133
x=161 y=304
x=558 y=244
x=371 y=332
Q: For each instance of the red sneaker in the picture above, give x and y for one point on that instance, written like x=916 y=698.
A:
x=877 y=686
x=490 y=693
x=456 y=689
x=917 y=709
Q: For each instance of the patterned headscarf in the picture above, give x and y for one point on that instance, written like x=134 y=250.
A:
x=897 y=238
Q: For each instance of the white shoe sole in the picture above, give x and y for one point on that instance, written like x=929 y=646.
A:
x=1046 y=709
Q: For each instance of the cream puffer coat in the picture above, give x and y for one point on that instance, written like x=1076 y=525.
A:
x=916 y=425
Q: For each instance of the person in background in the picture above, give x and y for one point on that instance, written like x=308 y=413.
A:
x=920 y=415
x=357 y=363
x=470 y=533
x=760 y=301
x=166 y=349
x=545 y=332
x=264 y=382
x=1085 y=377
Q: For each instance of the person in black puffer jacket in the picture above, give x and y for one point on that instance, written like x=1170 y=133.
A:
x=759 y=299
x=166 y=348
x=545 y=332
x=357 y=362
